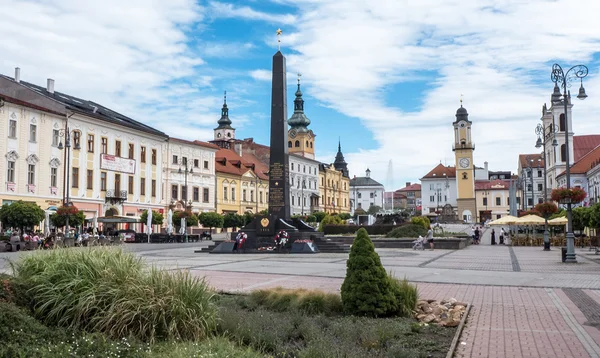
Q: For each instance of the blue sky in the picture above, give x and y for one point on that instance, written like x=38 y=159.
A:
x=386 y=79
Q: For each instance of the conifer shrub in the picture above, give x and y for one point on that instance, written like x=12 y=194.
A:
x=367 y=290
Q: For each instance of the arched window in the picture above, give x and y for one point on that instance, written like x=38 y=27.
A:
x=311 y=144
x=306 y=144
x=289 y=144
x=563 y=153
x=297 y=144
x=562 y=123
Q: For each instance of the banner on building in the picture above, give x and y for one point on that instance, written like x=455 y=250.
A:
x=117 y=164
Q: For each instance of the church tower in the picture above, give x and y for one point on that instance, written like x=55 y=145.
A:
x=465 y=170
x=300 y=138
x=340 y=163
x=224 y=134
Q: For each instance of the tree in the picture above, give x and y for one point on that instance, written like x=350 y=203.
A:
x=157 y=218
x=319 y=215
x=248 y=217
x=233 y=220
x=264 y=212
x=374 y=209
x=330 y=220
x=210 y=220
x=367 y=290
x=594 y=216
x=75 y=220
x=21 y=215
x=421 y=220
x=190 y=219
x=581 y=218
x=344 y=216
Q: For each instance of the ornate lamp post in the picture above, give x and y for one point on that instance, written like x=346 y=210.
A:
x=562 y=78
x=543 y=133
x=65 y=132
x=187 y=170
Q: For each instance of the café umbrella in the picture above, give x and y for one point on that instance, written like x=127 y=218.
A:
x=149 y=224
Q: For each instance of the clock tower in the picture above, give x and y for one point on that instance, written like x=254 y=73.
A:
x=463 y=148
x=301 y=140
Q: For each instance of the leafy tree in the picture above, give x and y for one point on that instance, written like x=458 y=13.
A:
x=21 y=215
x=263 y=212
x=233 y=220
x=330 y=220
x=319 y=215
x=594 y=216
x=367 y=290
x=421 y=220
x=374 y=209
x=248 y=217
x=561 y=213
x=157 y=218
x=311 y=219
x=210 y=220
x=581 y=218
x=74 y=220
x=190 y=219
x=344 y=216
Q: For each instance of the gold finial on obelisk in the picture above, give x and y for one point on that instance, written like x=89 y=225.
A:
x=278 y=32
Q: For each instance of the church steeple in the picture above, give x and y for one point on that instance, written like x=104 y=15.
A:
x=224 y=122
x=340 y=162
x=299 y=121
x=224 y=134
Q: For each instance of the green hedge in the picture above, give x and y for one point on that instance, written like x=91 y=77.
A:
x=352 y=229
x=408 y=231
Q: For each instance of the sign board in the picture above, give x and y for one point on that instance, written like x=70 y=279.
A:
x=117 y=164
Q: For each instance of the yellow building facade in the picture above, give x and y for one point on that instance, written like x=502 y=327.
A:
x=334 y=190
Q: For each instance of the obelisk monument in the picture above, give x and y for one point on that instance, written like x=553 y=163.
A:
x=279 y=189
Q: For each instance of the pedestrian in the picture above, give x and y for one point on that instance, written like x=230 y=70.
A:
x=477 y=233
x=502 y=235
x=472 y=233
x=430 y=238
x=493 y=237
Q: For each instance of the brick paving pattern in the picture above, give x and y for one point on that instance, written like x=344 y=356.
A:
x=586 y=304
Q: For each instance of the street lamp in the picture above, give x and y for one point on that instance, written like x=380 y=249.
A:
x=187 y=170
x=256 y=183
x=65 y=132
x=543 y=132
x=558 y=76
x=303 y=187
x=529 y=162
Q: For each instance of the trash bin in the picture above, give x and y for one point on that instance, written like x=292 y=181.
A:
x=563 y=253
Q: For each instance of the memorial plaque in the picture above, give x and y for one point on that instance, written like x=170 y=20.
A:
x=279 y=190
x=265 y=226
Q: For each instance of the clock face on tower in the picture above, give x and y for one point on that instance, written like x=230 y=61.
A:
x=464 y=162
x=293 y=133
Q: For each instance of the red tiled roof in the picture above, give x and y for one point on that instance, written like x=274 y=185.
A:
x=587 y=162
x=412 y=187
x=260 y=168
x=537 y=160
x=583 y=144
x=206 y=144
x=498 y=184
x=439 y=170
x=227 y=161
x=195 y=142
x=397 y=195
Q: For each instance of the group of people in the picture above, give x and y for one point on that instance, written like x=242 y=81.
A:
x=503 y=236
x=477 y=232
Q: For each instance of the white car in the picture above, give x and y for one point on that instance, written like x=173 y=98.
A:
x=350 y=222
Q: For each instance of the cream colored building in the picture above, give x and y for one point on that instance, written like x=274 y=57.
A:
x=493 y=199
x=199 y=158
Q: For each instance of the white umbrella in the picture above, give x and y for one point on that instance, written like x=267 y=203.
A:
x=47 y=224
x=170 y=222
x=149 y=224
x=95 y=223
x=182 y=230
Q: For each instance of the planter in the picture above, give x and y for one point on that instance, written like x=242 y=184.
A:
x=224 y=248
x=565 y=201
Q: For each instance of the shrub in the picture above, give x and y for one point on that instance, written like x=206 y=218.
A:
x=311 y=219
x=109 y=291
x=345 y=216
x=307 y=301
x=351 y=229
x=366 y=290
x=330 y=220
x=421 y=220
x=408 y=231
x=406 y=294
x=319 y=215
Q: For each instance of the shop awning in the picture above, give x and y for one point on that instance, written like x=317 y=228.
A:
x=119 y=219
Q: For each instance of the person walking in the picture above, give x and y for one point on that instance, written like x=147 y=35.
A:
x=477 y=233
x=430 y=238
x=493 y=235
x=502 y=235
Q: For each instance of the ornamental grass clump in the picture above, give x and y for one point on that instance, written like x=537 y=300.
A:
x=307 y=301
x=109 y=291
x=367 y=290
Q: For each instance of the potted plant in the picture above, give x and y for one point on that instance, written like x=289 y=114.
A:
x=568 y=196
x=546 y=209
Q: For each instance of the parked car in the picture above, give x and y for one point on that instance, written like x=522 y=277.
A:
x=129 y=235
x=350 y=222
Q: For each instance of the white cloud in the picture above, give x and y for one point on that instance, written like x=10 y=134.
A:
x=495 y=53
x=224 y=10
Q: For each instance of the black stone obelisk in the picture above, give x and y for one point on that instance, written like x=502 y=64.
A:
x=279 y=189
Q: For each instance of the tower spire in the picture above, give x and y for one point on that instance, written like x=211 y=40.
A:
x=298 y=120
x=224 y=122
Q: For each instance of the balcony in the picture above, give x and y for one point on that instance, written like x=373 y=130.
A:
x=115 y=196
